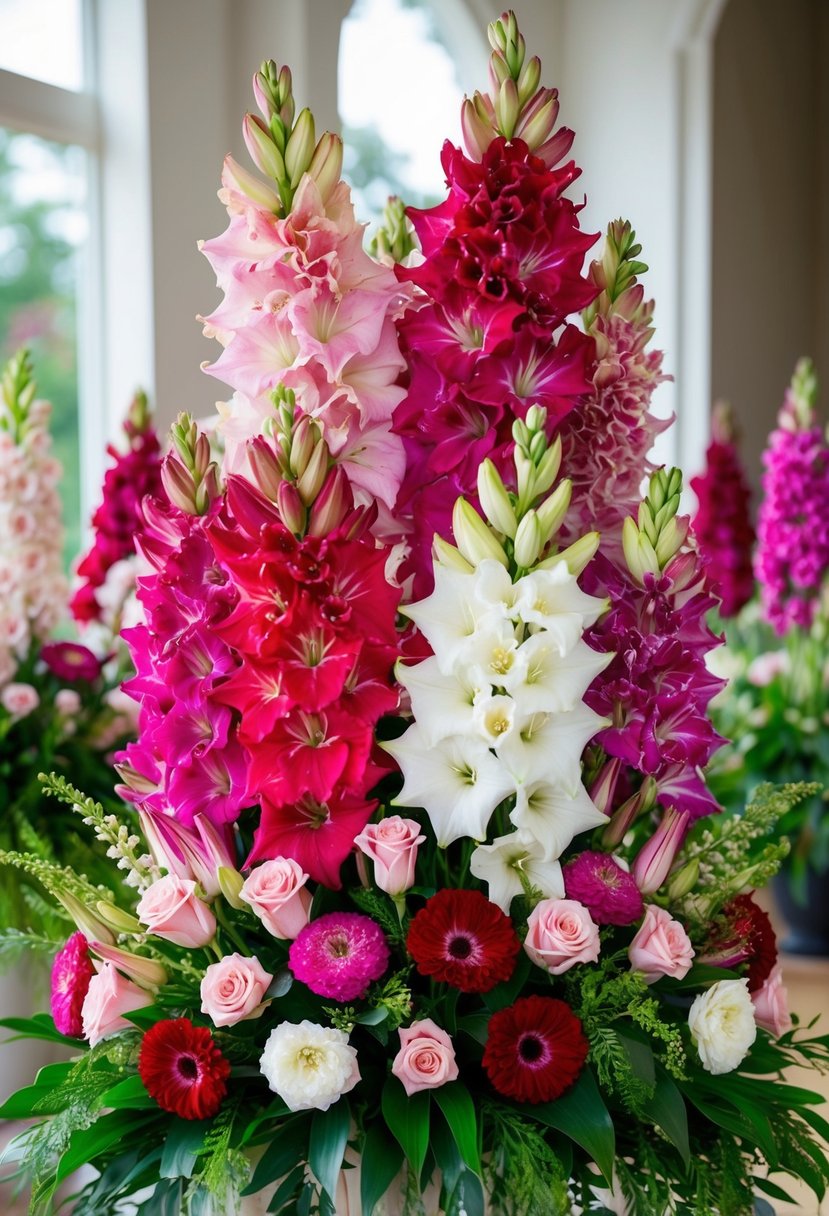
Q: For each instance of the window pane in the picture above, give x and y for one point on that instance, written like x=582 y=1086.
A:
x=42 y=38
x=42 y=225
x=392 y=49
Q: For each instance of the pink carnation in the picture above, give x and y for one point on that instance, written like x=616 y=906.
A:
x=71 y=972
x=339 y=955
x=608 y=891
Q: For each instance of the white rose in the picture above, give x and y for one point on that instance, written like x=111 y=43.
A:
x=309 y=1066
x=722 y=1025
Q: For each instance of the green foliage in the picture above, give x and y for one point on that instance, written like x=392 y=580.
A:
x=524 y=1175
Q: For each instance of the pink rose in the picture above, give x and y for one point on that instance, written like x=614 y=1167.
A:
x=660 y=947
x=19 y=699
x=171 y=909
x=561 y=933
x=392 y=845
x=277 y=893
x=67 y=702
x=233 y=989
x=107 y=999
x=771 y=1004
x=426 y=1058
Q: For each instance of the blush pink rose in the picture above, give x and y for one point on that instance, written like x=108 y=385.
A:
x=426 y=1058
x=19 y=699
x=171 y=909
x=561 y=933
x=277 y=893
x=771 y=1004
x=107 y=999
x=392 y=845
x=661 y=947
x=233 y=990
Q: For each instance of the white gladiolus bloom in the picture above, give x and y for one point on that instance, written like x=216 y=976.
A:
x=553 y=600
x=494 y=589
x=548 y=747
x=490 y=654
x=441 y=704
x=450 y=615
x=494 y=718
x=457 y=781
x=552 y=816
x=308 y=1065
x=502 y=863
x=552 y=682
x=722 y=1025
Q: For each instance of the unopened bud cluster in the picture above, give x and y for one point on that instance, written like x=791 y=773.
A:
x=292 y=466
x=614 y=274
x=657 y=534
x=395 y=238
x=189 y=474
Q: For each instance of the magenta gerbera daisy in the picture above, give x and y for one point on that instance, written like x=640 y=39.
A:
x=339 y=955
x=464 y=939
x=71 y=972
x=535 y=1049
x=606 y=890
x=183 y=1069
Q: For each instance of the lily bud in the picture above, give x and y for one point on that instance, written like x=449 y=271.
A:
x=473 y=537
x=331 y=504
x=313 y=477
x=507 y=107
x=447 y=555
x=495 y=500
x=178 y=484
x=578 y=555
x=161 y=833
x=90 y=925
x=116 y=918
x=684 y=880
x=263 y=151
x=528 y=541
x=266 y=471
x=238 y=180
x=300 y=147
x=604 y=786
x=230 y=883
x=654 y=861
x=291 y=508
x=552 y=511
x=326 y=165
x=144 y=971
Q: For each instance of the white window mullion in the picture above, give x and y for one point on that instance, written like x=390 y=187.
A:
x=52 y=113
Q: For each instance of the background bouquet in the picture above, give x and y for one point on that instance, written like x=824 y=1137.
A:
x=432 y=906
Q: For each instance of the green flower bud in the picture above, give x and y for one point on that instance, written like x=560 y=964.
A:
x=312 y=478
x=263 y=151
x=473 y=537
x=495 y=500
x=300 y=147
x=552 y=511
x=230 y=884
x=117 y=919
x=507 y=108
x=528 y=541
x=578 y=555
x=639 y=552
x=327 y=164
x=447 y=555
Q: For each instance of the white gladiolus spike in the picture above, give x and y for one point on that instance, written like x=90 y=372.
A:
x=553 y=683
x=553 y=600
x=442 y=704
x=548 y=748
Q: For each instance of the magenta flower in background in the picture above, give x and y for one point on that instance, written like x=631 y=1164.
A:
x=793 y=524
x=339 y=955
x=607 y=891
x=722 y=524
x=70 y=661
x=71 y=972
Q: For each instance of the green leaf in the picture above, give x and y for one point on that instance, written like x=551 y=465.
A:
x=408 y=1121
x=476 y=1025
x=667 y=1109
x=165 y=1199
x=146 y=1017
x=373 y=1017
x=381 y=1159
x=286 y=1191
x=771 y=1188
x=459 y=1112
x=329 y=1136
x=582 y=1115
x=641 y=1057
x=467 y=1196
x=504 y=994
x=27 y=1101
x=129 y=1094
x=40 y=1026
x=281 y=1155
x=104 y=1134
x=181 y=1147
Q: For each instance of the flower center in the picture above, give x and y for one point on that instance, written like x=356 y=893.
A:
x=338 y=945
x=310 y=1057
x=530 y=1048
x=460 y=947
x=188 y=1068
x=501 y=661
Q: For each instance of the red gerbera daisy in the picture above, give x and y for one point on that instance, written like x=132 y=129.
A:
x=752 y=924
x=462 y=938
x=183 y=1069
x=535 y=1050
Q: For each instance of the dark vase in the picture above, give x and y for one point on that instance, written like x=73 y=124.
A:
x=807 y=921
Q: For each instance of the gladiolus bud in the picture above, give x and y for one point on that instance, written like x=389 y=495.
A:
x=577 y=556
x=90 y=925
x=237 y=179
x=528 y=541
x=134 y=780
x=537 y=125
x=653 y=862
x=547 y=468
x=311 y=480
x=178 y=484
x=116 y=918
x=525 y=477
x=507 y=107
x=604 y=786
x=671 y=539
x=300 y=147
x=266 y=471
x=144 y=971
x=552 y=511
x=477 y=133
x=291 y=508
x=230 y=883
x=529 y=79
x=473 y=537
x=684 y=880
x=536 y=419
x=495 y=500
x=263 y=151
x=305 y=436
x=327 y=164
x=624 y=817
x=640 y=554
x=161 y=833
x=331 y=504
x=447 y=555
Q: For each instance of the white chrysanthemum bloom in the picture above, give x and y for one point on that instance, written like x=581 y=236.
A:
x=722 y=1025
x=501 y=864
x=308 y=1065
x=457 y=781
x=552 y=816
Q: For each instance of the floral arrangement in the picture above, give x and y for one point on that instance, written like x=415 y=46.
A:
x=54 y=711
x=777 y=706
x=544 y=987
x=105 y=575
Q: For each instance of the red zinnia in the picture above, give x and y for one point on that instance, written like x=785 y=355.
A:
x=462 y=938
x=535 y=1049
x=183 y=1069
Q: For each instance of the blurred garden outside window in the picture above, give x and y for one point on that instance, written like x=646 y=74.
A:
x=48 y=165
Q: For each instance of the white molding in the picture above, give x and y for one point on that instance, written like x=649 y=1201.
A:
x=46 y=110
